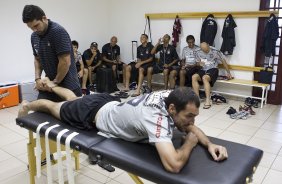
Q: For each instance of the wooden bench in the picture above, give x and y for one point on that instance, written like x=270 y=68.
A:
x=241 y=82
x=244 y=82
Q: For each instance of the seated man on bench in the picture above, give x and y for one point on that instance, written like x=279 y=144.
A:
x=208 y=58
x=148 y=118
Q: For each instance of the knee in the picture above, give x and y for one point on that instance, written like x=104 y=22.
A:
x=128 y=68
x=165 y=72
x=150 y=70
x=195 y=77
x=141 y=70
x=85 y=71
x=206 y=78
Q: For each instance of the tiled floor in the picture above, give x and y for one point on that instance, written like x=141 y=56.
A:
x=264 y=131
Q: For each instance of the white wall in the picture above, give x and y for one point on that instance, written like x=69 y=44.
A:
x=85 y=21
x=98 y=20
x=127 y=21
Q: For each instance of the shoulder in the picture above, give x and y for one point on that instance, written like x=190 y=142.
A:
x=56 y=28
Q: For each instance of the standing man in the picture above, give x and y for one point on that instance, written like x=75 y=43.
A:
x=168 y=61
x=188 y=62
x=111 y=57
x=53 y=53
x=144 y=65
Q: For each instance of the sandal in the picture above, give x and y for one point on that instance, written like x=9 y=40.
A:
x=206 y=106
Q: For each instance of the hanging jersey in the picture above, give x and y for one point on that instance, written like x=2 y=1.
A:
x=144 y=119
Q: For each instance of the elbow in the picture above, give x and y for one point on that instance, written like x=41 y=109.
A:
x=173 y=169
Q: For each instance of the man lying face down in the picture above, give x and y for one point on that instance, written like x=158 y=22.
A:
x=151 y=117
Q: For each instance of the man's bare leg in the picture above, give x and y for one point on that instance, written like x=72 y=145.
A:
x=207 y=87
x=149 y=77
x=64 y=93
x=127 y=76
x=41 y=105
x=165 y=72
x=84 y=78
x=172 y=79
x=182 y=75
x=195 y=83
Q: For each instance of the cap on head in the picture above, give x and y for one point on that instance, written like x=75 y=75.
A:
x=94 y=44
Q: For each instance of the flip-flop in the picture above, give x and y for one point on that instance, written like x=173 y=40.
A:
x=135 y=95
x=206 y=106
x=125 y=90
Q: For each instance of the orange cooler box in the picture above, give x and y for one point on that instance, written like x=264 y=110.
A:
x=9 y=95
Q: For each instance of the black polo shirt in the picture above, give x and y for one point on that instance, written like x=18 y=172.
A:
x=87 y=56
x=167 y=54
x=55 y=42
x=144 y=53
x=110 y=52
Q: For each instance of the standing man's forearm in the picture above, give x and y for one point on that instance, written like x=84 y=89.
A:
x=63 y=67
x=37 y=67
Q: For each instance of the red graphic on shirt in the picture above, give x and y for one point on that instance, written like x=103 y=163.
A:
x=159 y=125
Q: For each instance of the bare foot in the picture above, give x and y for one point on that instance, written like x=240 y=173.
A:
x=23 y=111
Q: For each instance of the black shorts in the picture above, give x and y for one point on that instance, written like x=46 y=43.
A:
x=213 y=73
x=189 y=73
x=158 y=69
x=110 y=65
x=81 y=112
x=144 y=66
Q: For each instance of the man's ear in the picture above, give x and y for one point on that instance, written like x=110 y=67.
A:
x=171 y=109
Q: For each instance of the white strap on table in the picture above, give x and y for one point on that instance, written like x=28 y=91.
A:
x=59 y=153
x=38 y=149
x=47 y=149
x=68 y=155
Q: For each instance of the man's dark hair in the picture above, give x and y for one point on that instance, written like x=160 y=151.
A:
x=75 y=43
x=190 y=37
x=182 y=96
x=31 y=13
x=145 y=35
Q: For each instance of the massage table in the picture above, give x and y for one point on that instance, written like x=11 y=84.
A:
x=139 y=159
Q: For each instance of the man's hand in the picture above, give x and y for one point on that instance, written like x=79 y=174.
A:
x=191 y=139
x=138 y=64
x=80 y=74
x=48 y=85
x=39 y=85
x=217 y=152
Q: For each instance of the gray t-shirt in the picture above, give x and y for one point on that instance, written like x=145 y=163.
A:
x=188 y=55
x=211 y=59
x=142 y=119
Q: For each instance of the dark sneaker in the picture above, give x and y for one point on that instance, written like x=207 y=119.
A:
x=231 y=110
x=133 y=86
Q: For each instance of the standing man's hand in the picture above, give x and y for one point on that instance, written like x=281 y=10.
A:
x=39 y=85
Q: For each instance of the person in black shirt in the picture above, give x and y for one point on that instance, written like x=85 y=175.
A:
x=111 y=56
x=92 y=61
x=143 y=66
x=168 y=61
x=53 y=54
